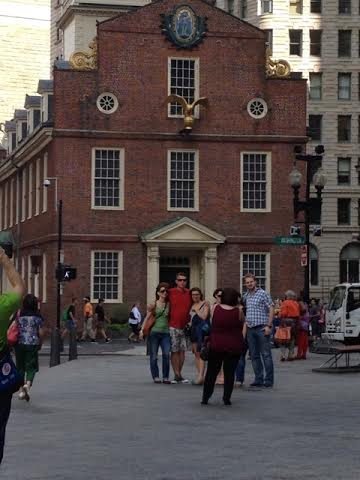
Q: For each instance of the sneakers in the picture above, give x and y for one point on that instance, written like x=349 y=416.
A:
x=175 y=381
x=254 y=384
x=238 y=384
x=184 y=380
x=157 y=380
x=179 y=380
x=107 y=340
x=93 y=341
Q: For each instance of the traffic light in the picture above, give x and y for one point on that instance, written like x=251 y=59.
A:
x=65 y=273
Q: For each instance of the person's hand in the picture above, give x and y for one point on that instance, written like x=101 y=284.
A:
x=267 y=330
x=2 y=254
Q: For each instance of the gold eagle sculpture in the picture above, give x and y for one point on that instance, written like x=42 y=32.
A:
x=188 y=108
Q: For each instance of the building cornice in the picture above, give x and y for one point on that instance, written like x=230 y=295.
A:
x=193 y=137
x=25 y=151
x=106 y=10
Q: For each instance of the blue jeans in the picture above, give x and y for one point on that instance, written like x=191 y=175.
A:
x=161 y=340
x=240 y=369
x=260 y=353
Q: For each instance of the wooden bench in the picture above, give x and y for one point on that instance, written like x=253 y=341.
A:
x=339 y=354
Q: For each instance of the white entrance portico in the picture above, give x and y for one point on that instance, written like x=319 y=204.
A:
x=185 y=238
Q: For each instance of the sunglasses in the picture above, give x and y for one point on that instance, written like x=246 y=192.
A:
x=181 y=279
x=163 y=290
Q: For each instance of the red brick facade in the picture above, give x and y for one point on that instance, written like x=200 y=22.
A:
x=133 y=65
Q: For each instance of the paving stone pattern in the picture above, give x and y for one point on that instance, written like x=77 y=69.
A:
x=102 y=417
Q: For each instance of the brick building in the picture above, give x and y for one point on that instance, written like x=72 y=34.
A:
x=142 y=196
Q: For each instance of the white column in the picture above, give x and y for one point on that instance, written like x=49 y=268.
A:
x=210 y=271
x=152 y=272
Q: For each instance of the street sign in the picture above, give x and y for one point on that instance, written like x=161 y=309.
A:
x=292 y=240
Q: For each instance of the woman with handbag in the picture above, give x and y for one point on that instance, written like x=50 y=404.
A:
x=226 y=343
x=30 y=324
x=200 y=327
x=156 y=327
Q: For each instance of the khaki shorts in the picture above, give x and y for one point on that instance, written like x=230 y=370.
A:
x=178 y=340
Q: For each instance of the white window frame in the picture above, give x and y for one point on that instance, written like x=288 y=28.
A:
x=344 y=88
x=267 y=269
x=318 y=87
x=1 y=208
x=23 y=195
x=197 y=84
x=44 y=279
x=6 y=205
x=17 y=200
x=269 y=5
x=31 y=191
x=11 y=200
x=45 y=189
x=268 y=182
x=37 y=187
x=121 y=179
x=120 y=276
x=196 y=182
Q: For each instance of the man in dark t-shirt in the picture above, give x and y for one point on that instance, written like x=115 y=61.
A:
x=101 y=319
x=70 y=320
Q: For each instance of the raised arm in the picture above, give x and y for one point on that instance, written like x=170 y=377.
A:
x=13 y=276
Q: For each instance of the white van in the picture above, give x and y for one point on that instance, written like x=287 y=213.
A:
x=343 y=313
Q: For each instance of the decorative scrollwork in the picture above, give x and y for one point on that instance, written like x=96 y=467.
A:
x=277 y=68
x=85 y=61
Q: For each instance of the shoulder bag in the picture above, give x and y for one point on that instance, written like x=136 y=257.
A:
x=13 y=332
x=10 y=378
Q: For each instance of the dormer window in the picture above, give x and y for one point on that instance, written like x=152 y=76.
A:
x=37 y=117
x=45 y=89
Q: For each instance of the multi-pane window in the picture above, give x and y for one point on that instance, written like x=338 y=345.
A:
x=343 y=211
x=344 y=171
x=295 y=7
x=269 y=39
x=315 y=6
x=257 y=264
x=345 y=6
x=266 y=6
x=344 y=128
x=344 y=86
x=230 y=5
x=106 y=275
x=344 y=43
x=182 y=174
x=315 y=123
x=107 y=178
x=349 y=264
x=315 y=42
x=256 y=181
x=183 y=76
x=315 y=86
x=314 y=265
x=243 y=8
x=295 y=42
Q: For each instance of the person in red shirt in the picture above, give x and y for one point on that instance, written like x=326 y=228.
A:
x=180 y=304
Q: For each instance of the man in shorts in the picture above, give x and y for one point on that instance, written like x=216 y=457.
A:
x=88 y=321
x=180 y=304
x=101 y=319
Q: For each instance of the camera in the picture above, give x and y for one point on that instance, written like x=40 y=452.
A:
x=47 y=182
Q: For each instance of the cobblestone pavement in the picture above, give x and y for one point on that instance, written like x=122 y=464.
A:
x=101 y=417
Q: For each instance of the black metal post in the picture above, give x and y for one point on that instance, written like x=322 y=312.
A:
x=55 y=335
x=307 y=235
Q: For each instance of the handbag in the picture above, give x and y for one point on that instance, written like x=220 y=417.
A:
x=204 y=353
x=10 y=378
x=13 y=334
x=283 y=334
x=149 y=323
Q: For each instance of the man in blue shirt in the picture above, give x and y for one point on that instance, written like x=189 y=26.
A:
x=259 y=319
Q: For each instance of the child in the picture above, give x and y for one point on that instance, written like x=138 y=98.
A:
x=302 y=333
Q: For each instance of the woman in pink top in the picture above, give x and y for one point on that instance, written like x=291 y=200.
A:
x=225 y=345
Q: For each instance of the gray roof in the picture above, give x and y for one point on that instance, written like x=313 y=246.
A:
x=32 y=101
x=62 y=65
x=20 y=115
x=45 y=86
x=10 y=125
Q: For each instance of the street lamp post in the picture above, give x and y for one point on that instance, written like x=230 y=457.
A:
x=55 y=334
x=311 y=207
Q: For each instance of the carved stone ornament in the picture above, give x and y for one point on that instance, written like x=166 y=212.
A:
x=183 y=27
x=85 y=61
x=276 y=68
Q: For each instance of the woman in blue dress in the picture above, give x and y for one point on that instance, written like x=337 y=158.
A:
x=200 y=327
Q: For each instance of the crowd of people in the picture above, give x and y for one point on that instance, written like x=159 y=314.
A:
x=221 y=334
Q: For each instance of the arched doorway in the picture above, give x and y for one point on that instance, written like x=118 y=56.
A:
x=349 y=263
